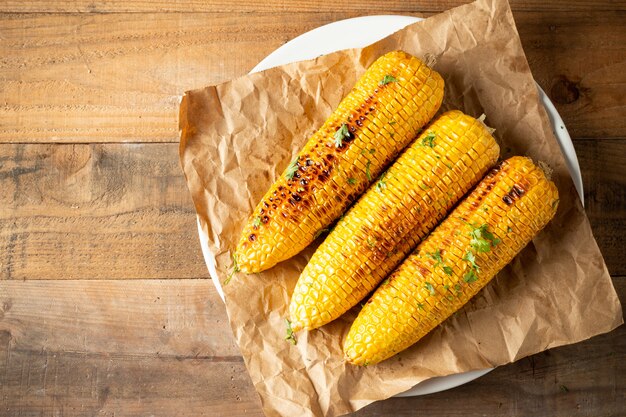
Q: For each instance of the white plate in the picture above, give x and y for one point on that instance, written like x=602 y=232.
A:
x=362 y=32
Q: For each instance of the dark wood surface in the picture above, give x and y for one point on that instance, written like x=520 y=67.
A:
x=106 y=308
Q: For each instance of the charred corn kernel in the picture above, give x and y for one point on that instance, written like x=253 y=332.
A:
x=395 y=98
x=483 y=234
x=390 y=219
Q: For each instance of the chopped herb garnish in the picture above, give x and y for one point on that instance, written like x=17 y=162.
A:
x=319 y=233
x=341 y=134
x=447 y=287
x=508 y=229
x=388 y=79
x=393 y=122
x=555 y=203
x=470 y=276
x=424 y=186
x=235 y=269
x=564 y=388
x=483 y=239
x=372 y=151
x=371 y=242
x=351 y=181
x=381 y=184
x=449 y=165
x=256 y=222
x=290 y=336
x=420 y=306
x=471 y=258
x=429 y=140
x=457 y=287
x=436 y=256
x=367 y=170
x=429 y=287
x=300 y=189
x=366 y=363
x=447 y=270
x=292 y=169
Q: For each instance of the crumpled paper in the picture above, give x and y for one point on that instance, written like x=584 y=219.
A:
x=237 y=137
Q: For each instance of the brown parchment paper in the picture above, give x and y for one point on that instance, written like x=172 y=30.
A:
x=237 y=137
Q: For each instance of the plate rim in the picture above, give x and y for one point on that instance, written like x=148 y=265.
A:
x=310 y=45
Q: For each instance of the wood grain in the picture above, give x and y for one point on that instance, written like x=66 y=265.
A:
x=43 y=372
x=119 y=77
x=96 y=212
x=162 y=318
x=43 y=383
x=122 y=211
x=272 y=6
x=603 y=165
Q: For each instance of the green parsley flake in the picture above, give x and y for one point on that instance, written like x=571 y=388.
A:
x=388 y=79
x=256 y=222
x=372 y=151
x=319 y=233
x=393 y=122
x=448 y=270
x=290 y=336
x=471 y=258
x=470 y=276
x=429 y=140
x=235 y=269
x=292 y=169
x=351 y=181
x=381 y=184
x=483 y=239
x=371 y=242
x=341 y=134
x=436 y=256
x=429 y=287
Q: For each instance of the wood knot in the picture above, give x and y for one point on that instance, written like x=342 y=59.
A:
x=564 y=91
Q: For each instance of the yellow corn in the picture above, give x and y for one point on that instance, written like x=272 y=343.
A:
x=390 y=219
x=483 y=234
x=395 y=98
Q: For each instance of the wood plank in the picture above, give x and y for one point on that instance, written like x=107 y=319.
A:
x=363 y=6
x=117 y=211
x=122 y=211
x=119 y=77
x=602 y=164
x=583 y=379
x=579 y=59
x=43 y=383
x=161 y=318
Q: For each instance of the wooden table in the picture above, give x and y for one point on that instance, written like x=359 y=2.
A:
x=106 y=308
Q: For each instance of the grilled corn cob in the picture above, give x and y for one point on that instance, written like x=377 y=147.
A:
x=481 y=236
x=395 y=98
x=390 y=219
